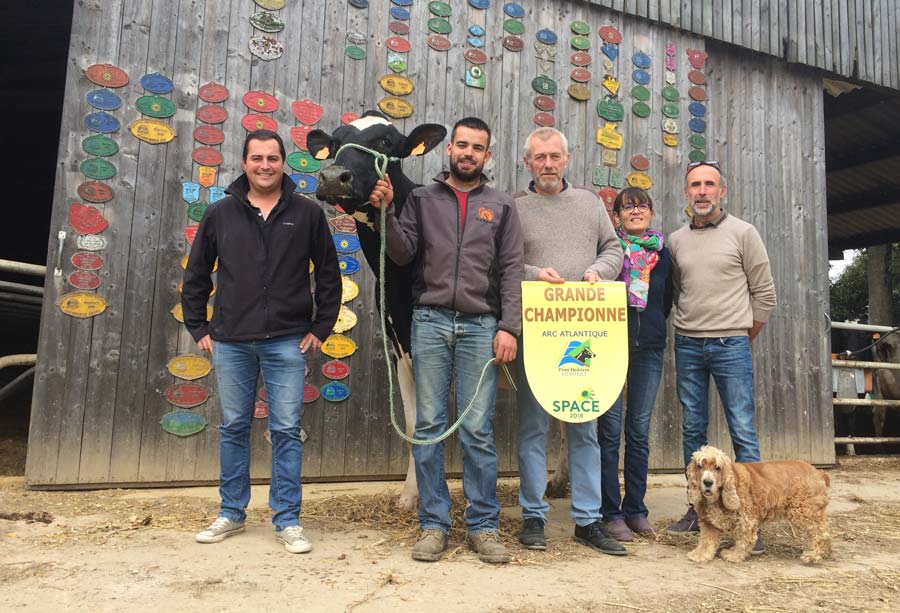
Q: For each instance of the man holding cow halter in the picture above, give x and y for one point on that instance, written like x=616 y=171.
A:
x=461 y=321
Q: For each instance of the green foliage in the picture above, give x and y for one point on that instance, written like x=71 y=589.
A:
x=850 y=292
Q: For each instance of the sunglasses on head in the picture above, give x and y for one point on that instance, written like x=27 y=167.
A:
x=712 y=163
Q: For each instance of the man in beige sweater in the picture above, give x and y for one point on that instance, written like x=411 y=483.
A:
x=724 y=293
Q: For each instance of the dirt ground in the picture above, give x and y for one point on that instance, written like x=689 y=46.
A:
x=134 y=550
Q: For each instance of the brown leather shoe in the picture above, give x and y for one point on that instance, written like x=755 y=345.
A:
x=617 y=529
x=639 y=525
x=488 y=547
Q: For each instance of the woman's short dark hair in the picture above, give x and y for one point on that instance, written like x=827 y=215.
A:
x=631 y=195
x=263 y=135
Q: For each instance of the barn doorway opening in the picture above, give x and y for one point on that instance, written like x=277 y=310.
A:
x=862 y=160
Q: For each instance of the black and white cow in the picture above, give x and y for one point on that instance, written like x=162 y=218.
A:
x=348 y=183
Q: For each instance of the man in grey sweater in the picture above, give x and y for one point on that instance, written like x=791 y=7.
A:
x=723 y=295
x=568 y=237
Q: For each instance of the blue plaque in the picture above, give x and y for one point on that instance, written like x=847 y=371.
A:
x=697 y=125
x=345 y=243
x=479 y=4
x=348 y=264
x=103 y=99
x=547 y=36
x=306 y=184
x=101 y=122
x=641 y=60
x=476 y=30
x=400 y=14
x=360 y=4
x=402 y=2
x=216 y=193
x=697 y=109
x=640 y=76
x=610 y=50
x=156 y=83
x=476 y=42
x=190 y=192
x=335 y=391
x=514 y=9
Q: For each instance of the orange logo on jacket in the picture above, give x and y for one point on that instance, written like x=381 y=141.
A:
x=485 y=214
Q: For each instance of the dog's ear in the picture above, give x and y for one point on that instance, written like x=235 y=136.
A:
x=693 y=483
x=730 y=498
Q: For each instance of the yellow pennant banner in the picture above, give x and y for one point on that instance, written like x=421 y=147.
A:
x=575 y=343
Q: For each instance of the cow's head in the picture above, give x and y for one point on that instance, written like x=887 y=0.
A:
x=349 y=181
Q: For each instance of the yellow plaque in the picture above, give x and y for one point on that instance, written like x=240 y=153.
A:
x=611 y=84
x=338 y=346
x=312 y=266
x=349 y=289
x=640 y=179
x=396 y=84
x=184 y=262
x=178 y=313
x=608 y=137
x=189 y=366
x=345 y=321
x=82 y=304
x=575 y=346
x=152 y=131
x=271 y=5
x=609 y=158
x=398 y=108
x=670 y=140
x=206 y=176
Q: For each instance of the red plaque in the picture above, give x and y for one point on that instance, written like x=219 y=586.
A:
x=580 y=58
x=209 y=135
x=610 y=35
x=399 y=27
x=696 y=57
x=513 y=43
x=207 y=156
x=253 y=121
x=582 y=75
x=186 y=395
x=608 y=196
x=95 y=191
x=398 y=44
x=347 y=118
x=697 y=93
x=696 y=77
x=335 y=369
x=86 y=219
x=260 y=410
x=211 y=113
x=106 y=75
x=85 y=260
x=190 y=233
x=640 y=162
x=213 y=92
x=84 y=279
x=476 y=56
x=299 y=134
x=307 y=112
x=260 y=102
x=441 y=43
x=343 y=223
x=544 y=119
x=544 y=103
x=310 y=393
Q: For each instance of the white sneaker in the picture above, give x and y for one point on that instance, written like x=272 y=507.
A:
x=220 y=530
x=294 y=540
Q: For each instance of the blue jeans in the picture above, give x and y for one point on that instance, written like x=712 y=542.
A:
x=444 y=341
x=645 y=368
x=730 y=363
x=283 y=369
x=584 y=457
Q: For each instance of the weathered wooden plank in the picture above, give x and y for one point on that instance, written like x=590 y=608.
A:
x=827 y=44
x=863 y=48
x=842 y=50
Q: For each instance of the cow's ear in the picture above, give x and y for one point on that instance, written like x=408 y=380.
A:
x=423 y=139
x=319 y=144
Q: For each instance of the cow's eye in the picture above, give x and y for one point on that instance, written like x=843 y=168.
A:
x=386 y=143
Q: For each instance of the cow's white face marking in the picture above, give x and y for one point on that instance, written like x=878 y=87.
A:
x=365 y=122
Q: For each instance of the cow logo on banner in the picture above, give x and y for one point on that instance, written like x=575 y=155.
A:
x=575 y=338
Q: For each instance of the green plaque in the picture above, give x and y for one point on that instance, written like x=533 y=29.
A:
x=356 y=53
x=582 y=43
x=98 y=168
x=617 y=178
x=196 y=210
x=514 y=26
x=670 y=110
x=439 y=26
x=302 y=161
x=697 y=155
x=670 y=93
x=580 y=27
x=155 y=106
x=639 y=92
x=610 y=110
x=100 y=145
x=600 y=176
x=544 y=85
x=641 y=109
x=441 y=9
x=698 y=141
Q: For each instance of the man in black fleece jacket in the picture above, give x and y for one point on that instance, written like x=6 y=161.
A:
x=264 y=237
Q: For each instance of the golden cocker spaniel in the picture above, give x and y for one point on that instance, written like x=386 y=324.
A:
x=737 y=498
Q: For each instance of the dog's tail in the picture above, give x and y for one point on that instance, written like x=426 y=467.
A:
x=825 y=478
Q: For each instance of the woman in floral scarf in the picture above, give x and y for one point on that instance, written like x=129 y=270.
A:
x=647 y=276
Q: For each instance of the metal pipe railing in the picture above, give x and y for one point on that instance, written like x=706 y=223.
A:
x=21 y=288
x=23 y=268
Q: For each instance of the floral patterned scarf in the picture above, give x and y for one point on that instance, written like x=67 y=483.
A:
x=641 y=255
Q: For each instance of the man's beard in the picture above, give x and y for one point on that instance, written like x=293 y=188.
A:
x=549 y=183
x=462 y=175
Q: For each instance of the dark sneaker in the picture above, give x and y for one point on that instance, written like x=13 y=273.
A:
x=594 y=536
x=688 y=523
x=430 y=547
x=639 y=525
x=532 y=534
x=488 y=547
x=220 y=530
x=617 y=529
x=759 y=547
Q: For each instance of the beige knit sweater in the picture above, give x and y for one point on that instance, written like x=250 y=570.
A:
x=722 y=279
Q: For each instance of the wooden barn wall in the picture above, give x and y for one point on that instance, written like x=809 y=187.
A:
x=98 y=395
x=859 y=39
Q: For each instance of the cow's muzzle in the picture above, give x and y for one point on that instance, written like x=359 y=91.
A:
x=335 y=183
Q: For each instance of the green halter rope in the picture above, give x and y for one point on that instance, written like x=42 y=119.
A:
x=381 y=162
